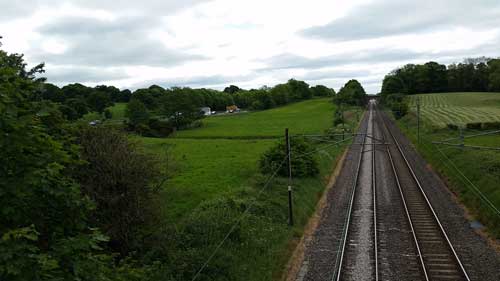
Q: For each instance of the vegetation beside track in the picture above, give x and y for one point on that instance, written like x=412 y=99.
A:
x=471 y=173
x=216 y=178
x=458 y=108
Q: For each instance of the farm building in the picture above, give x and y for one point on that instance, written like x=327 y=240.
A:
x=232 y=108
x=206 y=111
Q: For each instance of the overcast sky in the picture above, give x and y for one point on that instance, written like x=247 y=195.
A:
x=203 y=43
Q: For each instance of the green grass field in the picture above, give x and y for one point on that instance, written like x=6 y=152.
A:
x=458 y=108
x=215 y=179
x=465 y=170
x=312 y=116
x=206 y=169
x=118 y=111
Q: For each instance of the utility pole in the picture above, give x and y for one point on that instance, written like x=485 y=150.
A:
x=418 y=120
x=289 y=156
x=462 y=139
x=343 y=126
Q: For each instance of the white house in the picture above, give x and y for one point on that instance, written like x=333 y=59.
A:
x=206 y=111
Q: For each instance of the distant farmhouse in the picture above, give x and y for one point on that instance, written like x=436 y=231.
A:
x=206 y=111
x=232 y=108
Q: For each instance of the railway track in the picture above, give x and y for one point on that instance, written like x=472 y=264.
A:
x=437 y=256
x=356 y=261
x=429 y=252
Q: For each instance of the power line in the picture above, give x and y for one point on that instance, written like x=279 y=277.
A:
x=240 y=218
x=233 y=227
x=481 y=195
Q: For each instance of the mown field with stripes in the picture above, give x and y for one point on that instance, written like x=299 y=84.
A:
x=458 y=108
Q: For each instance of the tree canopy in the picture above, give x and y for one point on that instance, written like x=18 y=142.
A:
x=474 y=75
x=351 y=93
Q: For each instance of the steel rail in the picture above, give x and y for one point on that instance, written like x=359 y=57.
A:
x=417 y=245
x=337 y=274
x=436 y=218
x=374 y=191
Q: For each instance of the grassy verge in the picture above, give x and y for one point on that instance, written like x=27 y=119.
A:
x=471 y=174
x=217 y=190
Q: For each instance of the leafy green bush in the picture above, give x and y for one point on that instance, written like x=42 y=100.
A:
x=119 y=178
x=399 y=109
x=108 y=114
x=45 y=234
x=490 y=125
x=474 y=126
x=303 y=162
x=452 y=127
x=338 y=118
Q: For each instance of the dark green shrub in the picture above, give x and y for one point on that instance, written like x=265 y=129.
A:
x=121 y=180
x=491 y=126
x=452 y=127
x=108 y=114
x=399 y=109
x=473 y=126
x=338 y=118
x=303 y=162
x=160 y=128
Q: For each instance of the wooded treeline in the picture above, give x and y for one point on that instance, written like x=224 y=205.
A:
x=473 y=75
x=76 y=99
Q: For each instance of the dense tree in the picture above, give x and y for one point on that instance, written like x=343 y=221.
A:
x=98 y=101
x=146 y=97
x=322 y=91
x=232 y=89
x=112 y=92
x=79 y=105
x=68 y=112
x=299 y=90
x=45 y=235
x=494 y=76
x=393 y=84
x=124 y=96
x=76 y=90
x=52 y=92
x=136 y=112
x=474 y=75
x=280 y=94
x=351 y=93
x=119 y=179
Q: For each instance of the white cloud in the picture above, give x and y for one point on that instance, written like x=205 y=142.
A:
x=203 y=43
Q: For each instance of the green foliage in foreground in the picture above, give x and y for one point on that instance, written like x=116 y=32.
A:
x=458 y=166
x=44 y=230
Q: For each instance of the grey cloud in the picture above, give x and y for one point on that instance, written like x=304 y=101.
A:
x=289 y=61
x=13 y=9
x=124 y=41
x=395 y=17
x=196 y=81
x=333 y=74
x=73 y=74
